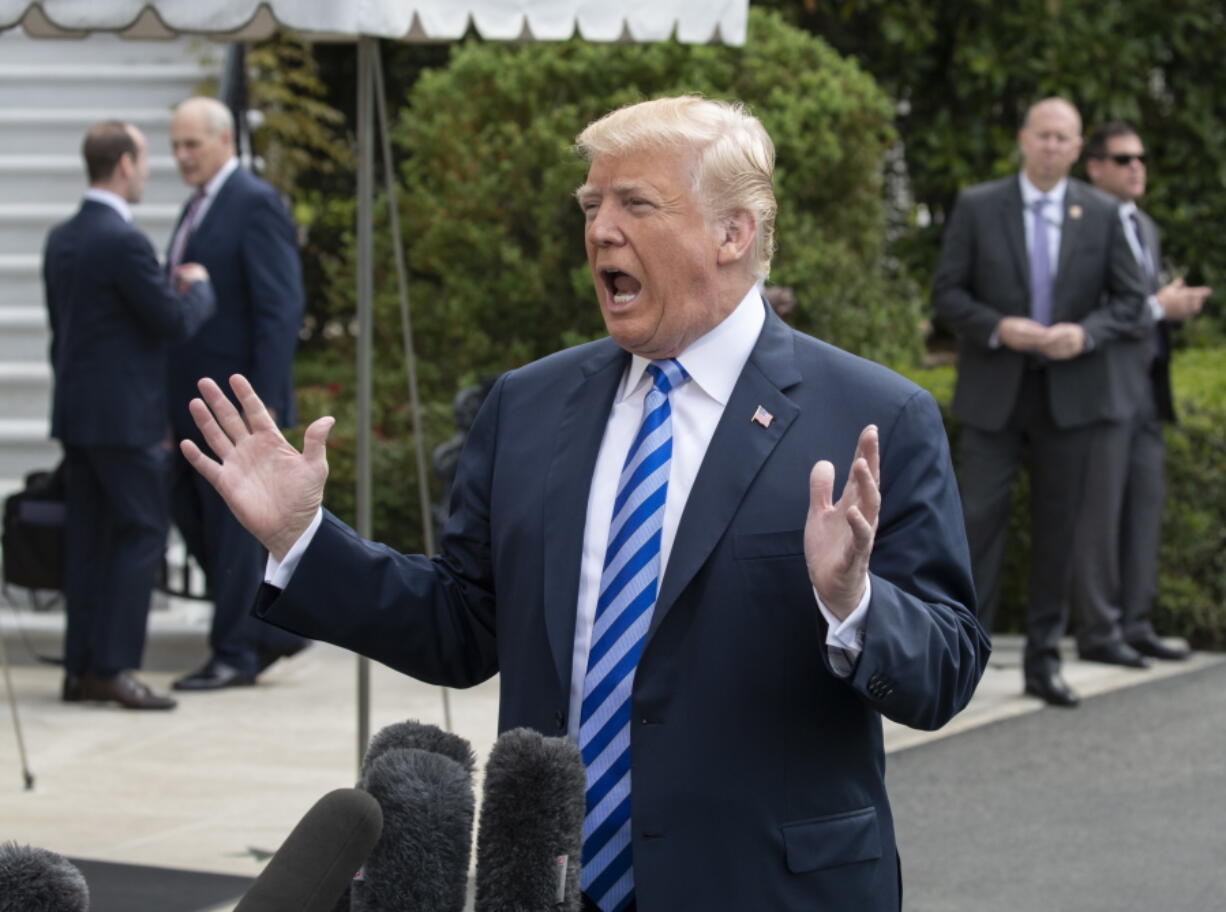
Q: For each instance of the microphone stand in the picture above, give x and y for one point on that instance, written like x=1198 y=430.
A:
x=27 y=776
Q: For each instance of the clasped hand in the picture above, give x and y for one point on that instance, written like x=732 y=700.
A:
x=272 y=489
x=839 y=536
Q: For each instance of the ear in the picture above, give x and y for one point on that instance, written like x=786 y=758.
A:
x=736 y=234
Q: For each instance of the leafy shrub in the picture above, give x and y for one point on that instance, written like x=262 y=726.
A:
x=1192 y=564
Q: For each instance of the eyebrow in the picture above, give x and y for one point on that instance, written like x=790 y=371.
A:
x=620 y=188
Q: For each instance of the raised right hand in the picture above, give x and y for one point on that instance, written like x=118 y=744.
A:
x=271 y=488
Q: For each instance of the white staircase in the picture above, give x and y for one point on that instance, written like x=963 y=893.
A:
x=51 y=92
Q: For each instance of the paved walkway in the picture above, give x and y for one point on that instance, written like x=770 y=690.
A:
x=217 y=783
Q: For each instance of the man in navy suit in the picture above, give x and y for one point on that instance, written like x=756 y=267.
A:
x=113 y=319
x=235 y=225
x=734 y=635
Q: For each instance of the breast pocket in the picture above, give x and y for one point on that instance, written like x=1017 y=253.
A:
x=826 y=842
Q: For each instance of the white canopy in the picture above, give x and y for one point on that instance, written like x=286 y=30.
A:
x=690 y=21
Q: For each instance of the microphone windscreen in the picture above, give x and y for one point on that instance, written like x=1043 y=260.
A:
x=36 y=880
x=316 y=863
x=420 y=864
x=530 y=841
x=419 y=735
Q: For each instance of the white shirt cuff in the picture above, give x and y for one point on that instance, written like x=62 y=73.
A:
x=845 y=638
x=1155 y=309
x=277 y=573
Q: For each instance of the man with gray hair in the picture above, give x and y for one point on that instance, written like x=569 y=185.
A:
x=645 y=544
x=236 y=225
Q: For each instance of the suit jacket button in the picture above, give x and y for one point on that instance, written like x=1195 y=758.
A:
x=559 y=720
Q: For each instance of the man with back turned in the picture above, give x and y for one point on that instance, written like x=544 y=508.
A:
x=114 y=318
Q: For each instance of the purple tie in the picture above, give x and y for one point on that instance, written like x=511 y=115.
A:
x=185 y=231
x=1040 y=266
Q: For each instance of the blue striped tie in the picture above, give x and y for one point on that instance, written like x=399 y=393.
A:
x=628 y=586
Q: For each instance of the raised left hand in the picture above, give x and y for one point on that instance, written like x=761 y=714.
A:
x=839 y=536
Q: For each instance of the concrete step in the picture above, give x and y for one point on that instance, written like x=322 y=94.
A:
x=21 y=283
x=25 y=388
x=59 y=131
x=24 y=226
x=25 y=446
x=54 y=84
x=61 y=178
x=17 y=47
x=24 y=334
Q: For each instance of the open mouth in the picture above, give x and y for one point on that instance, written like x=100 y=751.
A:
x=623 y=287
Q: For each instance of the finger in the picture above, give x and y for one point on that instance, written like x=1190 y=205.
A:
x=254 y=411
x=221 y=445
x=869 y=500
x=862 y=533
x=821 y=486
x=315 y=438
x=223 y=410
x=868 y=447
x=208 y=468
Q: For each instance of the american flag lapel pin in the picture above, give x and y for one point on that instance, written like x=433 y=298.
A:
x=762 y=416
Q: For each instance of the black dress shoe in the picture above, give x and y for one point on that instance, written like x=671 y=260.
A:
x=1051 y=689
x=1156 y=649
x=214 y=676
x=266 y=657
x=1115 y=654
x=71 y=691
x=124 y=689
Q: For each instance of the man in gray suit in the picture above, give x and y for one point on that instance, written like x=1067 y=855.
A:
x=1119 y=526
x=1037 y=281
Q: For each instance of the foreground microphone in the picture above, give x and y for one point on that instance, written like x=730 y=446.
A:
x=35 y=880
x=530 y=843
x=429 y=738
x=420 y=864
x=316 y=863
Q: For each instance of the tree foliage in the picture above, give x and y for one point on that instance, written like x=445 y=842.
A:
x=495 y=240
x=964 y=71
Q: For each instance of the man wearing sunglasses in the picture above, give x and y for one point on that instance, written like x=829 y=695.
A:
x=1119 y=532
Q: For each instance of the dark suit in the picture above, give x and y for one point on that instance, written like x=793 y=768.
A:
x=113 y=318
x=248 y=243
x=1008 y=402
x=1120 y=523
x=758 y=773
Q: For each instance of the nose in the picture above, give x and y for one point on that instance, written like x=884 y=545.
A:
x=602 y=227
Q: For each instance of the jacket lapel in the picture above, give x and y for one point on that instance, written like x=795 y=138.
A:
x=1014 y=230
x=567 y=483
x=1070 y=236
x=215 y=214
x=736 y=453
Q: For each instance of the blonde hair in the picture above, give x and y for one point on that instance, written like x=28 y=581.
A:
x=736 y=157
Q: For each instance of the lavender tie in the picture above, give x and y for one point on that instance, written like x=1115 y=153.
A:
x=1040 y=266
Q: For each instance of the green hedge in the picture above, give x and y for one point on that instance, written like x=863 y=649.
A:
x=1192 y=582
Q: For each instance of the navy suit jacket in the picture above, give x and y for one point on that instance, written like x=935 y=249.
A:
x=758 y=773
x=249 y=246
x=113 y=317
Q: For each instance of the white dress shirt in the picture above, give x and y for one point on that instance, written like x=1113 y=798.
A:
x=210 y=189
x=114 y=200
x=1053 y=215
x=1147 y=264
x=714 y=363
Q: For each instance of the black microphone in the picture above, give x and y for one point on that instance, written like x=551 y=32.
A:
x=36 y=880
x=425 y=737
x=420 y=864
x=530 y=842
x=316 y=863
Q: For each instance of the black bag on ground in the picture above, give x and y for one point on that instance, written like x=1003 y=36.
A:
x=34 y=532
